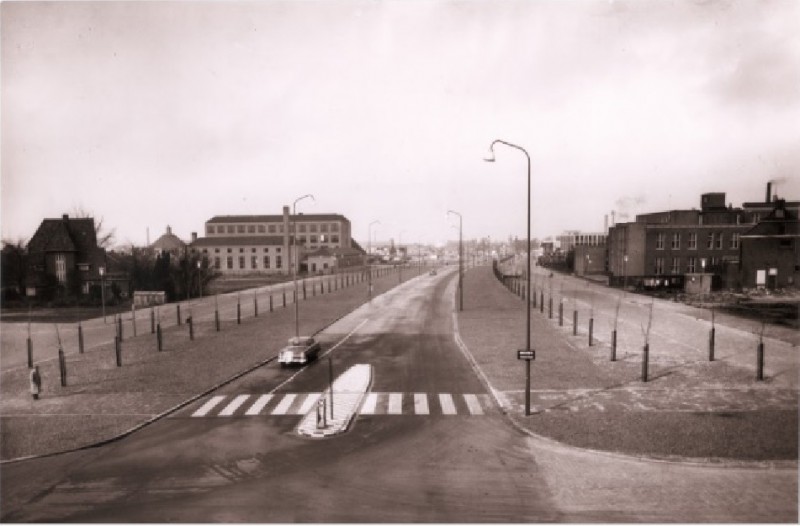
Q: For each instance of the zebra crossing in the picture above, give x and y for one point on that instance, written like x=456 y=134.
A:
x=423 y=404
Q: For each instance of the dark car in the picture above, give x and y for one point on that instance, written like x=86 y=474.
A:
x=300 y=350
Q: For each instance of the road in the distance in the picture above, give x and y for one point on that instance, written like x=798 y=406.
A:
x=416 y=465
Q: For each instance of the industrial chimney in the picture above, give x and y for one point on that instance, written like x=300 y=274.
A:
x=769 y=191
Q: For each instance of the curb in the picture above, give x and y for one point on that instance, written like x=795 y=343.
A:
x=179 y=406
x=683 y=461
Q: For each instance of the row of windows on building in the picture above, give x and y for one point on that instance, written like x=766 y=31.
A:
x=273 y=228
x=714 y=240
x=692 y=265
x=242 y=260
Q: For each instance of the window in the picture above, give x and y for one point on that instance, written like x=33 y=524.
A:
x=691 y=265
x=719 y=241
x=254 y=262
x=660 y=241
x=312 y=228
x=229 y=262
x=692 y=241
x=278 y=250
x=266 y=249
x=240 y=229
x=659 y=266
x=261 y=229
x=241 y=262
x=756 y=218
x=209 y=229
x=278 y=262
x=710 y=243
x=334 y=227
x=216 y=263
x=271 y=229
x=334 y=238
x=251 y=229
x=323 y=227
x=253 y=250
x=230 y=250
x=241 y=250
x=302 y=228
x=676 y=241
x=216 y=251
x=266 y=261
x=735 y=240
x=313 y=239
x=61 y=268
x=231 y=229
x=676 y=266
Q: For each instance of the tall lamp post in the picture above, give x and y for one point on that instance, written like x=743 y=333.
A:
x=490 y=158
x=296 y=263
x=200 y=277
x=460 y=261
x=103 y=290
x=369 y=253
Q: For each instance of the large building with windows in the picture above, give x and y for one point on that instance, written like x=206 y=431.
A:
x=242 y=244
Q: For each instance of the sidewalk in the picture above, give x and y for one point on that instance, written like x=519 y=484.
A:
x=102 y=401
x=698 y=410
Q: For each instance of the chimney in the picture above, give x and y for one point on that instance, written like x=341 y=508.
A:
x=605 y=224
x=169 y=229
x=194 y=237
x=769 y=191
x=65 y=217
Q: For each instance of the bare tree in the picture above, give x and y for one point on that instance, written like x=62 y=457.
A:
x=105 y=237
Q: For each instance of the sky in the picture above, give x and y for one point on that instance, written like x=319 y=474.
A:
x=148 y=114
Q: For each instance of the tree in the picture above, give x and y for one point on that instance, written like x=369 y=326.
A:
x=105 y=238
x=13 y=269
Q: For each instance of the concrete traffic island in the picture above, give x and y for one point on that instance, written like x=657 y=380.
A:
x=333 y=412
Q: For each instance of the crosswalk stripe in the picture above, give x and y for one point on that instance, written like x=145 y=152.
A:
x=283 y=407
x=395 y=404
x=234 y=405
x=370 y=402
x=446 y=401
x=259 y=405
x=421 y=404
x=208 y=406
x=308 y=403
x=473 y=404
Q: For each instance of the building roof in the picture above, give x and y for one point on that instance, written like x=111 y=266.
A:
x=213 y=241
x=168 y=241
x=277 y=218
x=64 y=235
x=780 y=222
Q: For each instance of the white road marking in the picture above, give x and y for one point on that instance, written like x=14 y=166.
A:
x=308 y=403
x=395 y=404
x=473 y=404
x=446 y=401
x=234 y=405
x=283 y=407
x=369 y=404
x=421 y=404
x=208 y=406
x=259 y=405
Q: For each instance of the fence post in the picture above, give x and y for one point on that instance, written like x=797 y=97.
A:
x=80 y=338
x=119 y=327
x=238 y=312
x=560 y=313
x=270 y=302
x=191 y=327
x=614 y=345
x=62 y=367
x=133 y=318
x=591 y=331
x=159 y=337
x=152 y=321
x=255 y=303
x=550 y=307
x=541 y=302
x=711 y=344
x=304 y=289
x=284 y=298
x=30 y=352
x=575 y=322
x=118 y=350
x=178 y=312
x=645 y=360
x=760 y=361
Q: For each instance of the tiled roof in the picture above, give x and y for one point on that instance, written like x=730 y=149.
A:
x=64 y=235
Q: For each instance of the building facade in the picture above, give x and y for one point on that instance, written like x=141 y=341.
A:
x=268 y=243
x=771 y=250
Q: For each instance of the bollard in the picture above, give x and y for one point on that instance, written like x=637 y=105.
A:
x=284 y=298
x=591 y=331
x=560 y=314
x=216 y=319
x=711 y=344
x=152 y=321
x=119 y=327
x=533 y=297
x=645 y=360
x=550 y=308
x=270 y=302
x=614 y=345
x=178 y=312
x=304 y=289
x=30 y=352
x=118 y=350
x=159 y=338
x=313 y=289
x=329 y=286
x=322 y=414
x=238 y=313
x=190 y=321
x=62 y=367
x=321 y=288
x=575 y=322
x=80 y=338
x=133 y=318
x=541 y=302
x=255 y=304
x=760 y=362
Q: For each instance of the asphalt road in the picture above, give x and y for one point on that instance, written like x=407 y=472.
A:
x=460 y=462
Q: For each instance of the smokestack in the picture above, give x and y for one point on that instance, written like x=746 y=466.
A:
x=194 y=237
x=605 y=224
x=769 y=191
x=613 y=218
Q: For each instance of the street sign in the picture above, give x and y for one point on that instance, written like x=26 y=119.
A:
x=525 y=354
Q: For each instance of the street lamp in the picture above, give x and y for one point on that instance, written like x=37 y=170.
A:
x=624 y=272
x=369 y=254
x=296 y=263
x=490 y=159
x=103 y=290
x=200 y=276
x=460 y=261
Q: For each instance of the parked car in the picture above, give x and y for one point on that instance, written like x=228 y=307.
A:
x=300 y=350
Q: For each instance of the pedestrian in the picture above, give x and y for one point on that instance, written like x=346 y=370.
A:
x=36 y=382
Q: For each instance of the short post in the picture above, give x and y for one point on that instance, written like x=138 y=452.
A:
x=550 y=307
x=152 y=321
x=329 y=286
x=284 y=299
x=133 y=318
x=614 y=345
x=313 y=289
x=190 y=321
x=62 y=367
x=304 y=289
x=760 y=361
x=711 y=344
x=591 y=330
x=527 y=355
x=645 y=360
x=159 y=337
x=119 y=327
x=118 y=350
x=270 y=302
x=30 y=352
x=533 y=297
x=216 y=319
x=80 y=338
x=255 y=303
x=322 y=417
x=575 y=322
x=238 y=312
x=541 y=302
x=330 y=382
x=561 y=314
x=178 y=312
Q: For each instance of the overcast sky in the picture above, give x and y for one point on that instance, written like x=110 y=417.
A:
x=155 y=114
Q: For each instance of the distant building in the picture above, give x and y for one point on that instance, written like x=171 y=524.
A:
x=63 y=253
x=590 y=259
x=771 y=250
x=572 y=238
x=168 y=243
x=266 y=243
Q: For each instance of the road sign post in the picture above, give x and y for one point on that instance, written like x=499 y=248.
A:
x=527 y=355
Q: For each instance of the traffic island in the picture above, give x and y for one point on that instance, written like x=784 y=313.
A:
x=338 y=405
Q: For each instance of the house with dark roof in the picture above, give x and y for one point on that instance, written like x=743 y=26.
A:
x=771 y=250
x=63 y=254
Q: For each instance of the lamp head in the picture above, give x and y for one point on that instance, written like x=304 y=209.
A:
x=489 y=158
